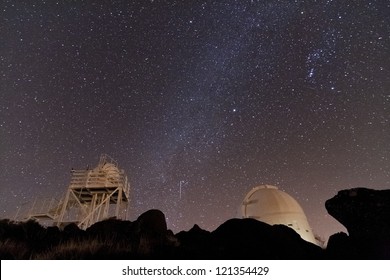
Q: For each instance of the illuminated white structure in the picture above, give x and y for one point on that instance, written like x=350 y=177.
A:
x=93 y=195
x=272 y=206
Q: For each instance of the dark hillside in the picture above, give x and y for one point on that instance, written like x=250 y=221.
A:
x=365 y=213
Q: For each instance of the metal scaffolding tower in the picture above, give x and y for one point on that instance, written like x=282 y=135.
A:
x=95 y=194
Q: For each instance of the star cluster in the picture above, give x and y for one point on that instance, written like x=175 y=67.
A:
x=198 y=101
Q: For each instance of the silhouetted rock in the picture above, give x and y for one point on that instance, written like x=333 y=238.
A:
x=72 y=231
x=112 y=229
x=340 y=247
x=245 y=239
x=252 y=239
x=364 y=212
x=195 y=244
x=155 y=240
x=153 y=220
x=366 y=215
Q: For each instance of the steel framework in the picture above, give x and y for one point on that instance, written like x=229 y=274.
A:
x=96 y=194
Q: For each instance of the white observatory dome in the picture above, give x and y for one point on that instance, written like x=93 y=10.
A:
x=272 y=206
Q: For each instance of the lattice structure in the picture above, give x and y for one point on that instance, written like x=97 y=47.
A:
x=95 y=194
x=44 y=209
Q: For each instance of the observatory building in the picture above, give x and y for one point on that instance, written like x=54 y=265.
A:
x=92 y=196
x=270 y=205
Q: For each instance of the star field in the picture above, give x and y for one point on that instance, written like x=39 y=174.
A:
x=198 y=101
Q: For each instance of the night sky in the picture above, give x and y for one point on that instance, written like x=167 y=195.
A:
x=215 y=96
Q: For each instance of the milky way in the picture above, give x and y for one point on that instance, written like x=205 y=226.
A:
x=198 y=101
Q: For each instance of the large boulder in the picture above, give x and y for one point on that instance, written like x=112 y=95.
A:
x=245 y=239
x=153 y=220
x=340 y=247
x=155 y=240
x=252 y=239
x=364 y=212
x=366 y=215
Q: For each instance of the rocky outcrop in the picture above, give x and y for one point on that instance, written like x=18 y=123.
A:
x=153 y=220
x=155 y=240
x=147 y=237
x=252 y=239
x=246 y=239
x=196 y=243
x=364 y=212
x=366 y=215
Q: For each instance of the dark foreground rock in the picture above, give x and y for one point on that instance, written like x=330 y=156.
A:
x=252 y=239
x=245 y=239
x=149 y=238
x=366 y=215
x=194 y=244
